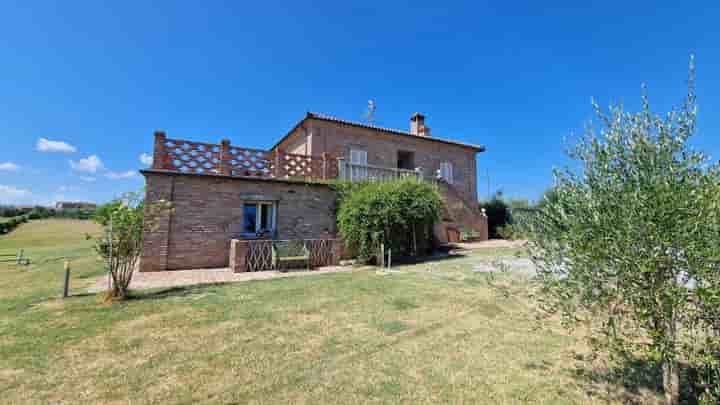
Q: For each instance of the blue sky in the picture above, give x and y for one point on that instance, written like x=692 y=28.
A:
x=84 y=84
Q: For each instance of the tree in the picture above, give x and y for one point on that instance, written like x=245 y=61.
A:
x=498 y=214
x=629 y=244
x=397 y=214
x=120 y=246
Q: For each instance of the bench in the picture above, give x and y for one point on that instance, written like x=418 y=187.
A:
x=289 y=251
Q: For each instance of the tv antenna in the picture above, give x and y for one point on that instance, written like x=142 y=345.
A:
x=370 y=114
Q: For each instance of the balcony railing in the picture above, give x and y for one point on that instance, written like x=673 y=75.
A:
x=357 y=172
x=183 y=156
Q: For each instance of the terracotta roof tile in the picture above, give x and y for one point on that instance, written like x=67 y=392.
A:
x=325 y=117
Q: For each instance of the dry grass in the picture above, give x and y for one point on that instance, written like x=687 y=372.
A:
x=440 y=336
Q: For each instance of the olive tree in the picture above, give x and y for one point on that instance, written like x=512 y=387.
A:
x=630 y=240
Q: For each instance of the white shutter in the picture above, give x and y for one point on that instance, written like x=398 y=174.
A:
x=358 y=161
x=358 y=157
x=446 y=171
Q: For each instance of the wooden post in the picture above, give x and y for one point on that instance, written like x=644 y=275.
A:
x=66 y=286
x=382 y=255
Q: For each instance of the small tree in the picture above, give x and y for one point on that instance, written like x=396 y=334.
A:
x=120 y=246
x=630 y=244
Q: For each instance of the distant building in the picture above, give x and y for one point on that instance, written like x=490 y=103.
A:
x=24 y=209
x=71 y=205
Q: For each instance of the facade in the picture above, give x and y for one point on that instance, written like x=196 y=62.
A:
x=221 y=192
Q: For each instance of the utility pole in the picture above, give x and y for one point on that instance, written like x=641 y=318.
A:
x=487 y=173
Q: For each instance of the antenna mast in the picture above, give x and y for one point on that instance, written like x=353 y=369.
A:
x=370 y=114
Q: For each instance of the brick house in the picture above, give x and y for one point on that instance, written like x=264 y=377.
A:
x=222 y=193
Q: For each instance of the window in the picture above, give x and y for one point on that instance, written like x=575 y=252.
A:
x=406 y=160
x=358 y=163
x=446 y=171
x=358 y=157
x=258 y=218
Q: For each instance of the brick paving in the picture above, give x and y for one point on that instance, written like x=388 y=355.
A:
x=174 y=278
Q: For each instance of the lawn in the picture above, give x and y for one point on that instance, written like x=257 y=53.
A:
x=431 y=333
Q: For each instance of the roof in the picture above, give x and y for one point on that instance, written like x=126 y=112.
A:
x=328 y=118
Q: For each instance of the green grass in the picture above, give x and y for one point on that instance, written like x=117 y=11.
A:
x=432 y=333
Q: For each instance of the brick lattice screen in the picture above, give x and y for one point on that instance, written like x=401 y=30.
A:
x=256 y=255
x=204 y=158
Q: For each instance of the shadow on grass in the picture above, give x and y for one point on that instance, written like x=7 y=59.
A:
x=172 y=292
x=631 y=380
x=437 y=257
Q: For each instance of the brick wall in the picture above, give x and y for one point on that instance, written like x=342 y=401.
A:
x=382 y=149
x=207 y=212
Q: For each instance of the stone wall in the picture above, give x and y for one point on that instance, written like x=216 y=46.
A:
x=207 y=212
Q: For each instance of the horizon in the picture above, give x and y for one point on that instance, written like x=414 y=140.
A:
x=86 y=85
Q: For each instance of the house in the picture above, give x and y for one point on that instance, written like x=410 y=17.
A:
x=73 y=205
x=221 y=192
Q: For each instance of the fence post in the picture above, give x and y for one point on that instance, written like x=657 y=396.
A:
x=66 y=286
x=382 y=255
x=159 y=152
x=225 y=157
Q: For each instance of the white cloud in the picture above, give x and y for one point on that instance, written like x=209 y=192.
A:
x=88 y=179
x=12 y=195
x=90 y=164
x=46 y=145
x=118 y=176
x=9 y=167
x=146 y=159
x=63 y=189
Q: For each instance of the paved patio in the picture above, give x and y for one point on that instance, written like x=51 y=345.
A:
x=176 y=278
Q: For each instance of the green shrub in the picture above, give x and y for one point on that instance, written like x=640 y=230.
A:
x=507 y=232
x=398 y=214
x=498 y=214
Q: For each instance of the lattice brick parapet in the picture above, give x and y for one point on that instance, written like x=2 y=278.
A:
x=204 y=158
x=247 y=162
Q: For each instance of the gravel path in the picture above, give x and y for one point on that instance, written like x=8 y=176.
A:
x=517 y=265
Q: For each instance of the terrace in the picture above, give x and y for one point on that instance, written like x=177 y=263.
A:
x=182 y=156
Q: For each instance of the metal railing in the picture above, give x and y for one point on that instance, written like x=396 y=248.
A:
x=359 y=172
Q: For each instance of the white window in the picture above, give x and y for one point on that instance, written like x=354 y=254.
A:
x=358 y=164
x=446 y=171
x=258 y=218
x=358 y=157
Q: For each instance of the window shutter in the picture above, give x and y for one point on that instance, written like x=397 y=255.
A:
x=358 y=157
x=446 y=171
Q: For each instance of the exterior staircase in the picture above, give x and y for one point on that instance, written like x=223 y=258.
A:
x=458 y=216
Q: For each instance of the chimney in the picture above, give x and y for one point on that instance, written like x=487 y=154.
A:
x=417 y=125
